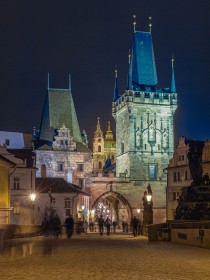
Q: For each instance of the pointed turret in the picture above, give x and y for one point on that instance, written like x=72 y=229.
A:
x=109 y=134
x=173 y=85
x=98 y=132
x=129 y=81
x=116 y=96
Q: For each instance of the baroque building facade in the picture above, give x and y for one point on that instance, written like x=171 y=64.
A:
x=104 y=149
x=62 y=153
x=178 y=172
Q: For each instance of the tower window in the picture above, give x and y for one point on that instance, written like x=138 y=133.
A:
x=152 y=171
x=99 y=149
x=43 y=170
x=60 y=166
x=100 y=165
x=80 y=167
x=175 y=177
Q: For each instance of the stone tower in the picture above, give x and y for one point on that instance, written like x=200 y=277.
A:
x=144 y=116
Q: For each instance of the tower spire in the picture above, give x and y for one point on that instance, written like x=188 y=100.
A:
x=98 y=132
x=116 y=96
x=173 y=85
x=150 y=24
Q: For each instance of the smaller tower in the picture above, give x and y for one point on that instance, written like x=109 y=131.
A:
x=109 y=147
x=98 y=149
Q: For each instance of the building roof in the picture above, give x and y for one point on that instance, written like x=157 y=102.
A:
x=41 y=144
x=24 y=154
x=143 y=60
x=58 y=110
x=15 y=140
x=7 y=160
x=57 y=185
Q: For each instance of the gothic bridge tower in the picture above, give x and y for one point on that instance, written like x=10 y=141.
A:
x=144 y=116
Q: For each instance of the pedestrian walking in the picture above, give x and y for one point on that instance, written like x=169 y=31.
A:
x=91 y=225
x=126 y=226
x=101 y=225
x=56 y=225
x=69 y=224
x=134 y=224
x=123 y=226
x=85 y=226
x=108 y=225
x=114 y=224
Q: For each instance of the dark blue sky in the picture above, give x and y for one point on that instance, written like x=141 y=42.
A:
x=87 y=38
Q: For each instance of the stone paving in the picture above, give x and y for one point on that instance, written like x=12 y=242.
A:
x=95 y=257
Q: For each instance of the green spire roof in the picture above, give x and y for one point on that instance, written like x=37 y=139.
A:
x=58 y=109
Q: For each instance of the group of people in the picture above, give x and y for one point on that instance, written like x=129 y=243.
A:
x=136 y=226
x=106 y=224
x=52 y=225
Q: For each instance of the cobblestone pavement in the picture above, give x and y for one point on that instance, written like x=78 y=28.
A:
x=95 y=257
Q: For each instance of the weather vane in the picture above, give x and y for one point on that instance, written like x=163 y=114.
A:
x=150 y=24
x=134 y=23
x=172 y=60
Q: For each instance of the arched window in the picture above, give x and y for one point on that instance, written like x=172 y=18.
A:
x=99 y=149
x=100 y=165
x=43 y=170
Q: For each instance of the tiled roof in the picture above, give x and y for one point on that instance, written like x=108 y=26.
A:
x=24 y=154
x=57 y=185
x=143 y=60
x=7 y=160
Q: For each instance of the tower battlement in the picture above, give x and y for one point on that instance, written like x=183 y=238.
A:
x=144 y=97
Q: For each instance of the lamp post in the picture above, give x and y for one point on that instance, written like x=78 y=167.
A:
x=148 y=205
x=83 y=208
x=33 y=198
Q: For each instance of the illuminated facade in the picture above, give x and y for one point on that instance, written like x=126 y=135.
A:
x=179 y=172
x=144 y=116
x=104 y=149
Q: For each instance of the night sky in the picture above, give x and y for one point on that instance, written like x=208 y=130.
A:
x=87 y=38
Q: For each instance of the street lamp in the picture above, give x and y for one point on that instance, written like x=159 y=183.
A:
x=83 y=208
x=147 y=203
x=32 y=198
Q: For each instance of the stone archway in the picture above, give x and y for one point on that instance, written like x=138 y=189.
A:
x=117 y=204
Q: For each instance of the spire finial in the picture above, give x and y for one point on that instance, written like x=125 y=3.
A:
x=109 y=126
x=172 y=60
x=150 y=24
x=129 y=56
x=48 y=80
x=134 y=23
x=173 y=85
x=115 y=71
x=70 y=82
